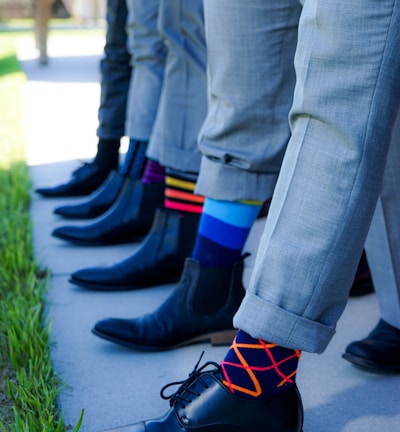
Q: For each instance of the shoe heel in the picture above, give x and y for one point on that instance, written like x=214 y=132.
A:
x=223 y=338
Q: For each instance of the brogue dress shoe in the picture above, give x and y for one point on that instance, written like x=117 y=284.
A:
x=199 y=309
x=86 y=179
x=159 y=260
x=203 y=403
x=128 y=219
x=97 y=202
x=379 y=351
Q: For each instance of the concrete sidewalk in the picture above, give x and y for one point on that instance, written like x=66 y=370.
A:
x=116 y=386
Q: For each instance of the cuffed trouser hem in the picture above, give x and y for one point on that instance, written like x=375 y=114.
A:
x=226 y=182
x=173 y=157
x=267 y=321
x=139 y=130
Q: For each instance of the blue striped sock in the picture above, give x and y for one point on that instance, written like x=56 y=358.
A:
x=223 y=230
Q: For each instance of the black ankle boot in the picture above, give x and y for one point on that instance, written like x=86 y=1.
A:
x=98 y=202
x=84 y=181
x=159 y=260
x=200 y=309
x=128 y=219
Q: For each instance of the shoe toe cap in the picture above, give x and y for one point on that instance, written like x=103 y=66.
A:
x=96 y=276
x=115 y=329
x=66 y=232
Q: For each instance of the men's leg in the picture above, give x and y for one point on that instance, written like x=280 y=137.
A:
x=380 y=350
x=115 y=76
x=129 y=218
x=147 y=57
x=183 y=103
x=345 y=102
x=116 y=73
x=181 y=110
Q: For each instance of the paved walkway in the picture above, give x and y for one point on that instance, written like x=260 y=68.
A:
x=116 y=386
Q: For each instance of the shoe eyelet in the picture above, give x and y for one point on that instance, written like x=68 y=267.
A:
x=185 y=419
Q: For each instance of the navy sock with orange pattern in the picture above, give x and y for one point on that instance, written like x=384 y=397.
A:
x=255 y=369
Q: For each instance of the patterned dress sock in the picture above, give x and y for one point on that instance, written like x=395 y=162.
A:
x=135 y=159
x=223 y=231
x=179 y=192
x=153 y=173
x=107 y=154
x=255 y=369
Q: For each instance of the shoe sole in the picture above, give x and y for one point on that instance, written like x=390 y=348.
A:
x=371 y=366
x=94 y=243
x=112 y=288
x=78 y=216
x=223 y=337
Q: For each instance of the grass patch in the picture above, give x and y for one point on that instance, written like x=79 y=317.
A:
x=28 y=386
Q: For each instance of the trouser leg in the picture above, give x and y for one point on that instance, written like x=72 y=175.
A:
x=116 y=72
x=383 y=241
x=148 y=54
x=251 y=81
x=345 y=102
x=183 y=103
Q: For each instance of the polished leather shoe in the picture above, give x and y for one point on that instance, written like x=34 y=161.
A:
x=159 y=260
x=98 y=202
x=200 y=309
x=84 y=181
x=204 y=403
x=362 y=284
x=379 y=351
x=129 y=219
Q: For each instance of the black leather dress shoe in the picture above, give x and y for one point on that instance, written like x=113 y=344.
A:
x=84 y=181
x=379 y=351
x=128 y=219
x=204 y=403
x=159 y=260
x=98 y=202
x=200 y=309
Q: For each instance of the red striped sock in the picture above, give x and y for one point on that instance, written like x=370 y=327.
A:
x=179 y=195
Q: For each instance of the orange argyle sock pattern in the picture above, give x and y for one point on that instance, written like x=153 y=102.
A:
x=255 y=369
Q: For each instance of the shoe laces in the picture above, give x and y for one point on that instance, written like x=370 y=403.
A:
x=185 y=391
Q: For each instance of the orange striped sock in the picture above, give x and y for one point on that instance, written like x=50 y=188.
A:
x=179 y=194
x=255 y=369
